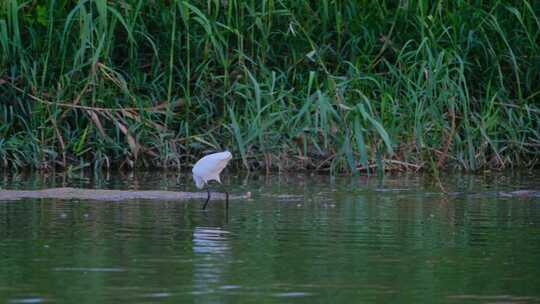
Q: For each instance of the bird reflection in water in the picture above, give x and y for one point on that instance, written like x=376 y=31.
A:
x=212 y=252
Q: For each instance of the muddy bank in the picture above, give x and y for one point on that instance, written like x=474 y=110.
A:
x=518 y=193
x=110 y=195
x=120 y=195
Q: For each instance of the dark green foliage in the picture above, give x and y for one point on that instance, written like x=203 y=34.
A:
x=339 y=85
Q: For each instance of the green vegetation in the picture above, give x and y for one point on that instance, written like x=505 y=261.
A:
x=328 y=85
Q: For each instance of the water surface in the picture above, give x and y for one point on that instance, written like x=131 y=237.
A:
x=300 y=239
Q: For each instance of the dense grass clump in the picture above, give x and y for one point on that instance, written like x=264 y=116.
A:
x=327 y=85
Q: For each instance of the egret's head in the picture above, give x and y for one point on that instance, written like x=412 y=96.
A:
x=199 y=182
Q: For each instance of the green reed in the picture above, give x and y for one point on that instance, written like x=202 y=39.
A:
x=345 y=86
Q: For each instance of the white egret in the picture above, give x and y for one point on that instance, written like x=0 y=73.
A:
x=208 y=168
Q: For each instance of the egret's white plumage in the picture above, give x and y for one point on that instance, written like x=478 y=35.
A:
x=209 y=167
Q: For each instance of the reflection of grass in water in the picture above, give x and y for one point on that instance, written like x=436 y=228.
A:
x=337 y=86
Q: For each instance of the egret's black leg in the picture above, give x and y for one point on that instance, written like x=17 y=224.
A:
x=226 y=207
x=207 y=199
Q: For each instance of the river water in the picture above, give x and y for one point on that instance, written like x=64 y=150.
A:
x=299 y=239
